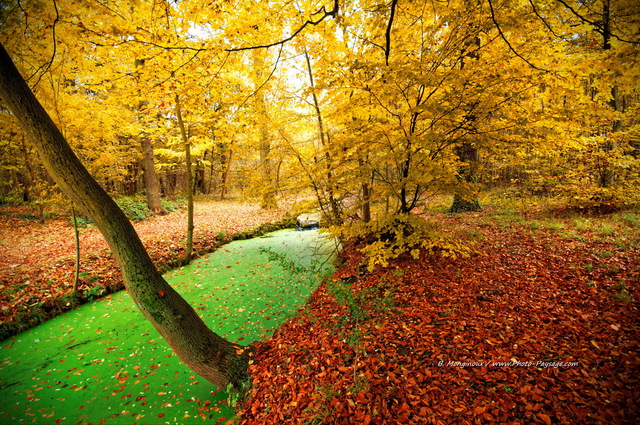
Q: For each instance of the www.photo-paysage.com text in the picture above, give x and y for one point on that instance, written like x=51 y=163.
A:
x=512 y=363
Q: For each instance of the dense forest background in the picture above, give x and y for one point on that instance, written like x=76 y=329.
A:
x=369 y=107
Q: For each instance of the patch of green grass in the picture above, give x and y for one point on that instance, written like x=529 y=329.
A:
x=625 y=243
x=88 y=278
x=82 y=221
x=473 y=234
x=170 y=205
x=506 y=219
x=605 y=254
x=16 y=288
x=134 y=207
x=534 y=224
x=622 y=295
x=606 y=229
x=628 y=217
x=399 y=273
x=554 y=224
x=583 y=224
x=94 y=292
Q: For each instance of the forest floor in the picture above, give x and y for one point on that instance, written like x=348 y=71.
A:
x=540 y=326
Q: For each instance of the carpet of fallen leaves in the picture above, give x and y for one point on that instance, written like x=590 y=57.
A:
x=536 y=328
x=37 y=259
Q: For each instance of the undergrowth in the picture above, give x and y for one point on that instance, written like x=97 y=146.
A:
x=388 y=238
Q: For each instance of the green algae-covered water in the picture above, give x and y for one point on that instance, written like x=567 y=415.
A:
x=103 y=363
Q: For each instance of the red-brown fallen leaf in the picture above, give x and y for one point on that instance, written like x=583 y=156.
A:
x=478 y=410
x=545 y=418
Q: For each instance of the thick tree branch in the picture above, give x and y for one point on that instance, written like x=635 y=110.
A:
x=325 y=14
x=387 y=48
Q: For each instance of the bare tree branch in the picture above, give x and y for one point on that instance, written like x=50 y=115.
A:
x=47 y=66
x=325 y=14
x=275 y=66
x=504 y=38
x=596 y=25
x=544 y=21
x=387 y=49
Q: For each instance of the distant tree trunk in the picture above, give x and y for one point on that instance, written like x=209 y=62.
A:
x=269 y=194
x=366 y=195
x=607 y=173
x=468 y=154
x=200 y=182
x=32 y=176
x=187 y=150
x=129 y=185
x=226 y=164
x=334 y=212
x=211 y=356
x=266 y=166
x=366 y=202
x=211 y=187
x=151 y=182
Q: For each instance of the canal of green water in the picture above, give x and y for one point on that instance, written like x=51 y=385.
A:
x=104 y=363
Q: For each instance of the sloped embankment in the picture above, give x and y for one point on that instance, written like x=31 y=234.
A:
x=533 y=330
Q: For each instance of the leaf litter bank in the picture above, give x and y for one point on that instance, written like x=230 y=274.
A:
x=104 y=364
x=37 y=260
x=533 y=330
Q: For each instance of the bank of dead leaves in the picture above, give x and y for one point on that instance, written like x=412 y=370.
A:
x=37 y=260
x=533 y=329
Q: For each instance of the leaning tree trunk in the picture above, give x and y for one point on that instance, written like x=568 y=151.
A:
x=211 y=356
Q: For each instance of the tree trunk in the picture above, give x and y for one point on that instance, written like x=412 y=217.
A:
x=468 y=154
x=226 y=163
x=607 y=174
x=335 y=215
x=366 y=202
x=187 y=150
x=151 y=182
x=266 y=166
x=205 y=352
